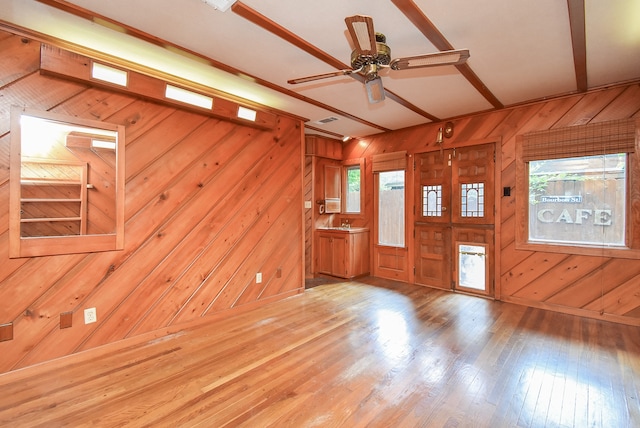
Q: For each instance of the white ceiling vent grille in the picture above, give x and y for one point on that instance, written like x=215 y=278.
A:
x=221 y=5
x=326 y=120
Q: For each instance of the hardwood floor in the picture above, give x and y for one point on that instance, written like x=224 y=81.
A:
x=368 y=353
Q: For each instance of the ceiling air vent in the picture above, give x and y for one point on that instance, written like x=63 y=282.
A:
x=326 y=120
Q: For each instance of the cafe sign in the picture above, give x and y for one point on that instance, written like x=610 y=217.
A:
x=599 y=217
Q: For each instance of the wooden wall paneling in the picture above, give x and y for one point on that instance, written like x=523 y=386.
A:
x=4 y=202
x=588 y=106
x=183 y=155
x=507 y=239
x=140 y=118
x=179 y=228
x=255 y=253
x=271 y=206
x=528 y=270
x=37 y=92
x=479 y=127
x=220 y=224
x=21 y=56
x=308 y=216
x=9 y=266
x=94 y=104
x=508 y=179
x=625 y=105
x=4 y=160
x=36 y=274
x=271 y=262
x=597 y=283
x=237 y=220
x=24 y=292
x=290 y=278
x=513 y=123
x=624 y=300
x=571 y=269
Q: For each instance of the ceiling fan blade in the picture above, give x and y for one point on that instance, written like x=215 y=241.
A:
x=321 y=76
x=361 y=30
x=430 y=60
x=375 y=90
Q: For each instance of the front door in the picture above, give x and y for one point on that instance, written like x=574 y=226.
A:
x=455 y=219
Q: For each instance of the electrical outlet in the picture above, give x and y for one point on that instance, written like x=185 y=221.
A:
x=90 y=315
x=258 y=277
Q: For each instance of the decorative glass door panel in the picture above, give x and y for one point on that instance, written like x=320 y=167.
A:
x=454 y=219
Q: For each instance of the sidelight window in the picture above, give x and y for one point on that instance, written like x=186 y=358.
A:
x=391 y=208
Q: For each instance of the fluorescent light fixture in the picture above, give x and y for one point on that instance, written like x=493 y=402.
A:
x=247 y=113
x=221 y=5
x=188 y=97
x=103 y=144
x=109 y=74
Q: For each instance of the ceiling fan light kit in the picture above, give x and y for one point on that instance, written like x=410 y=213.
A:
x=372 y=53
x=375 y=90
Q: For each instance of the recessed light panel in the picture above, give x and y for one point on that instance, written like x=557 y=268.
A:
x=188 y=97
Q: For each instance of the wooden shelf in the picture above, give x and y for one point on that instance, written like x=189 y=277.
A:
x=43 y=219
x=47 y=191
x=49 y=182
x=50 y=200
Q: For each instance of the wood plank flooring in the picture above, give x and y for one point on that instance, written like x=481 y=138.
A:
x=368 y=353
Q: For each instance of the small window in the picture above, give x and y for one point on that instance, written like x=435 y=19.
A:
x=472 y=200
x=352 y=189
x=353 y=186
x=432 y=201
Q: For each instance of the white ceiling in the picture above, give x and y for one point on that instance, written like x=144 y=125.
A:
x=520 y=50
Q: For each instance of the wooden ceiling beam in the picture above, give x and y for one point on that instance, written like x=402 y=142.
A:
x=262 y=21
x=431 y=32
x=91 y=16
x=578 y=42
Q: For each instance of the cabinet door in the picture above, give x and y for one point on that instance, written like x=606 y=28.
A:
x=325 y=259
x=340 y=262
x=332 y=188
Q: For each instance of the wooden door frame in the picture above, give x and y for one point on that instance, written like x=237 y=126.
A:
x=404 y=273
x=501 y=202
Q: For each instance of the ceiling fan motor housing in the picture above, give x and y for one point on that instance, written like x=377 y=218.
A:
x=370 y=64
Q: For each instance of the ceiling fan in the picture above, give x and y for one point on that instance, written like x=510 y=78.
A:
x=372 y=53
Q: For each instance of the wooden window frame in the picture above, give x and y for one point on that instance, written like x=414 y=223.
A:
x=632 y=209
x=345 y=184
x=66 y=244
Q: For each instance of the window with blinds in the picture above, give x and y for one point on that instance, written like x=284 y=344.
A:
x=578 y=184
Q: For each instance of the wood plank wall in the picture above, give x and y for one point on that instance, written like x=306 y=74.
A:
x=599 y=287
x=208 y=204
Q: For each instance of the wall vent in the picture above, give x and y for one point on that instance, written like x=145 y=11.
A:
x=326 y=120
